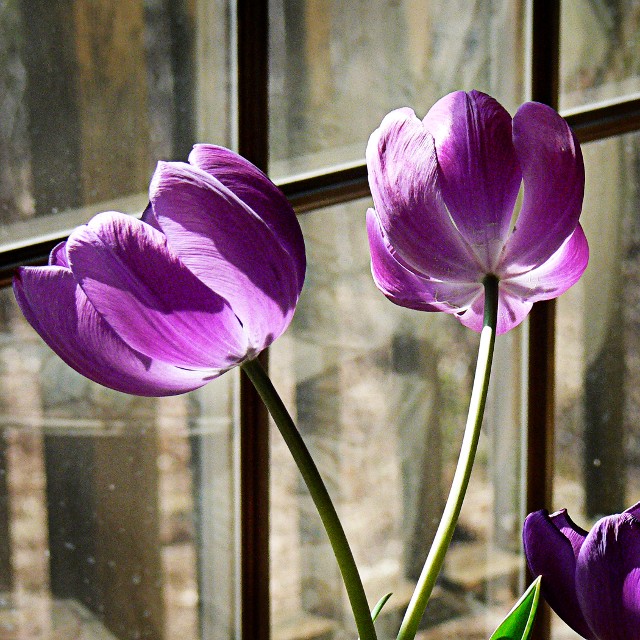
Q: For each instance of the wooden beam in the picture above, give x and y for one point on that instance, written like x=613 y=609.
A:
x=545 y=65
x=253 y=144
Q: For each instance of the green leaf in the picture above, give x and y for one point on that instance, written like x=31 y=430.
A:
x=378 y=608
x=517 y=625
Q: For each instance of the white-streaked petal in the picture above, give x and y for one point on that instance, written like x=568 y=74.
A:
x=480 y=174
x=512 y=310
x=408 y=289
x=553 y=277
x=257 y=191
x=228 y=247
x=403 y=176
x=150 y=299
x=58 y=309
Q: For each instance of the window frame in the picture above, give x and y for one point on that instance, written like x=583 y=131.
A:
x=339 y=185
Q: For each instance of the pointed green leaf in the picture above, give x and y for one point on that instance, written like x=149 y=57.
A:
x=378 y=608
x=517 y=625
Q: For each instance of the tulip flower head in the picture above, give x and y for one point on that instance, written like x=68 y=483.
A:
x=445 y=190
x=205 y=281
x=590 y=579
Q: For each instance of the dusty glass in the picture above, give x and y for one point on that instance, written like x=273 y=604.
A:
x=599 y=47
x=92 y=94
x=117 y=514
x=380 y=395
x=337 y=67
x=598 y=347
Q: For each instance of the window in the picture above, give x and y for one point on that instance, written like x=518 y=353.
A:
x=127 y=518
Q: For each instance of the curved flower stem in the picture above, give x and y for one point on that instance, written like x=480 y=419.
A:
x=443 y=536
x=320 y=496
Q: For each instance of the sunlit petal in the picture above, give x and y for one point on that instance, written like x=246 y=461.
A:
x=445 y=190
x=553 y=277
x=403 y=175
x=512 y=310
x=253 y=187
x=553 y=174
x=202 y=283
x=60 y=312
x=228 y=247
x=152 y=301
x=480 y=174
x=408 y=289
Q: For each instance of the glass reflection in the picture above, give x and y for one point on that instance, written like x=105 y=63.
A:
x=93 y=93
x=380 y=395
x=117 y=513
x=337 y=67
x=599 y=52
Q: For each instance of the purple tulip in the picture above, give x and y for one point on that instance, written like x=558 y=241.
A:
x=205 y=281
x=445 y=189
x=592 y=580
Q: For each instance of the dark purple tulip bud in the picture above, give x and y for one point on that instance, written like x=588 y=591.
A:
x=591 y=580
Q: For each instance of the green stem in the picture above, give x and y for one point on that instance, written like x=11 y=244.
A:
x=320 y=496
x=447 y=525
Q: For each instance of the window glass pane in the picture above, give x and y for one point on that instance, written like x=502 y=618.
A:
x=598 y=347
x=337 y=67
x=93 y=93
x=380 y=394
x=599 y=51
x=117 y=513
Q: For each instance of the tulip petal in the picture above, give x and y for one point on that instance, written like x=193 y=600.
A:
x=61 y=313
x=553 y=277
x=58 y=255
x=569 y=529
x=550 y=554
x=408 y=289
x=480 y=174
x=512 y=310
x=150 y=299
x=149 y=217
x=228 y=247
x=608 y=578
x=553 y=175
x=634 y=510
x=256 y=190
x=403 y=176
